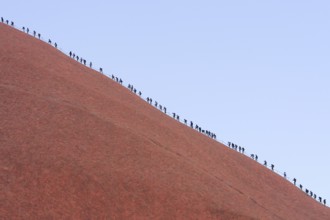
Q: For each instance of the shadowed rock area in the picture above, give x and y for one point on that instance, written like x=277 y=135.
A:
x=76 y=145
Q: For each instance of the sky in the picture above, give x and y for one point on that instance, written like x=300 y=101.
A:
x=254 y=72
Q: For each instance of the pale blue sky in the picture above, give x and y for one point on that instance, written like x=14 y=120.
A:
x=256 y=73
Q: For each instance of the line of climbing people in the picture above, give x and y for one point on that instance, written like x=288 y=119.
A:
x=163 y=108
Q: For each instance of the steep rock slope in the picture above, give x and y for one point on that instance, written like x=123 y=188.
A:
x=75 y=144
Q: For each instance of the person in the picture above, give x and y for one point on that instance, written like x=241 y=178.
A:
x=185 y=121
x=240 y=149
x=84 y=62
x=70 y=53
x=49 y=41
x=178 y=117
x=55 y=45
x=173 y=115
x=243 y=149
x=156 y=104
x=191 y=124
x=2 y=19
x=12 y=24
x=39 y=35
x=27 y=30
x=320 y=198
x=324 y=201
x=265 y=163
x=34 y=33
x=165 y=110
x=285 y=175
x=315 y=196
x=7 y=21
x=256 y=157
x=101 y=70
x=252 y=156
x=23 y=29
x=272 y=166
x=300 y=186
x=90 y=64
x=307 y=191
x=294 y=181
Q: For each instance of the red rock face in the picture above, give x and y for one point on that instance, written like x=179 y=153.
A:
x=77 y=145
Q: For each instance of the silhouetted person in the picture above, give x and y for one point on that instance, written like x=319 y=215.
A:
x=39 y=35
x=85 y=62
x=300 y=186
x=307 y=191
x=185 y=121
x=178 y=117
x=285 y=175
x=265 y=163
x=77 y=58
x=140 y=93
x=101 y=70
x=49 y=41
x=156 y=103
x=311 y=193
x=229 y=143
x=315 y=196
x=256 y=157
x=191 y=124
x=320 y=198
x=90 y=64
x=7 y=21
x=294 y=181
x=55 y=45
x=240 y=148
x=243 y=149
x=23 y=29
x=12 y=24
x=252 y=156
x=2 y=19
x=174 y=115
x=27 y=30
x=165 y=110
x=272 y=166
x=70 y=53
x=34 y=33
x=324 y=201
